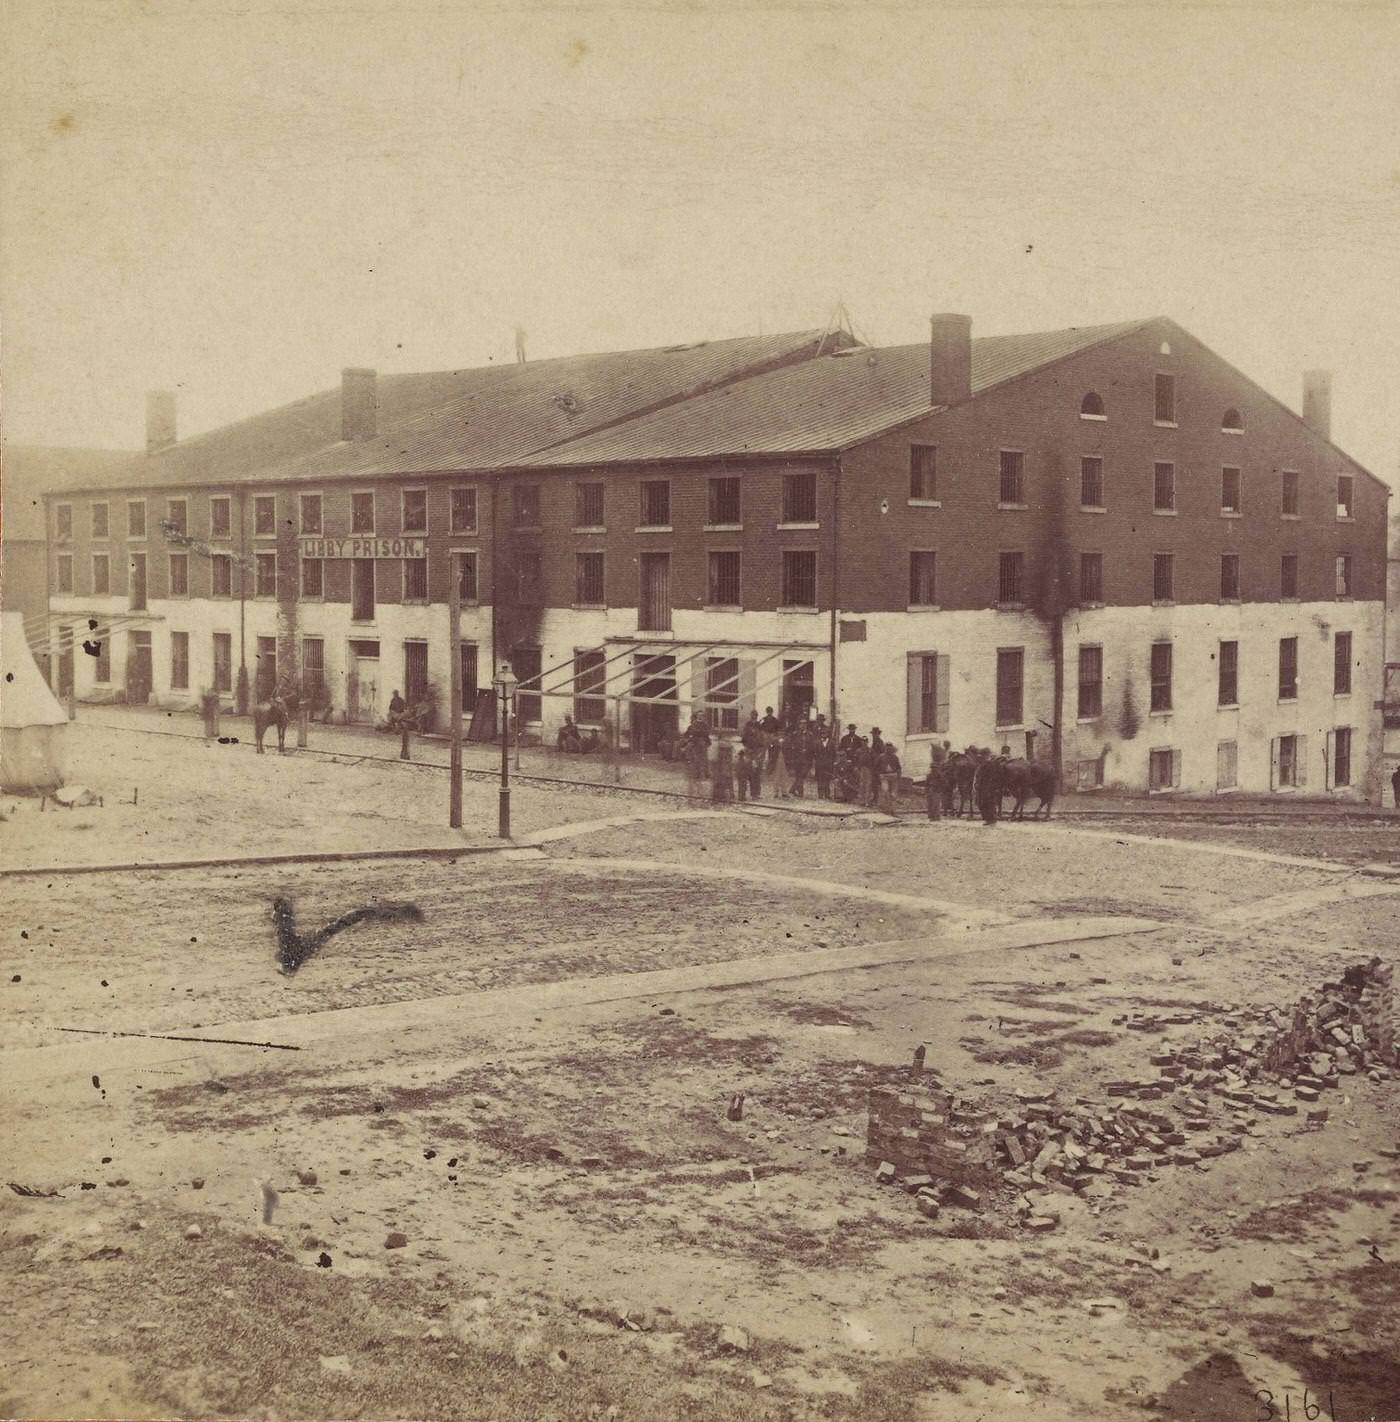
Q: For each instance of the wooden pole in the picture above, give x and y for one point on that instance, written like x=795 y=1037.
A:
x=454 y=652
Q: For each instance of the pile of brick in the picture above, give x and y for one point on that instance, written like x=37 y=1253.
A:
x=1261 y=1062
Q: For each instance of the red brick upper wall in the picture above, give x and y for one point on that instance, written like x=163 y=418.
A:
x=1040 y=415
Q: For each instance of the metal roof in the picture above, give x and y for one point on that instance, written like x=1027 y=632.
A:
x=821 y=405
x=481 y=418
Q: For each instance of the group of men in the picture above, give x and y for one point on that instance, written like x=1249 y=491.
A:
x=848 y=768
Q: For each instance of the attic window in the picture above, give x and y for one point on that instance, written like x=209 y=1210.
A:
x=1091 y=407
x=1231 y=421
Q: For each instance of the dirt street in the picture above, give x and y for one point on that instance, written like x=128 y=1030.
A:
x=493 y=1165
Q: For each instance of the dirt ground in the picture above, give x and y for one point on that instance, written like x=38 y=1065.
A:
x=505 y=1181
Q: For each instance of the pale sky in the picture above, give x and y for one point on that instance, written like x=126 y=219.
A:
x=235 y=200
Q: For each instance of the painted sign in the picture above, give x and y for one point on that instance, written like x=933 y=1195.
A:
x=363 y=547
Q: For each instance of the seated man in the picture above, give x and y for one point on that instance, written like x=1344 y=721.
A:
x=397 y=708
x=569 y=738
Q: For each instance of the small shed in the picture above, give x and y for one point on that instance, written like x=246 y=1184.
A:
x=31 y=720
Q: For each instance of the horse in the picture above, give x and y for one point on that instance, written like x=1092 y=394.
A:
x=959 y=769
x=272 y=712
x=1022 y=778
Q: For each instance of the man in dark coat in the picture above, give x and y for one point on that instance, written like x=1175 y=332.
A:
x=797 y=753
x=823 y=764
x=850 y=740
x=933 y=786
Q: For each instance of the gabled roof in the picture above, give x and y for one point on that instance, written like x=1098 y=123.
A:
x=821 y=405
x=29 y=471
x=474 y=419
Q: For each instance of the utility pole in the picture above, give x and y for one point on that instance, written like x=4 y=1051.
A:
x=454 y=651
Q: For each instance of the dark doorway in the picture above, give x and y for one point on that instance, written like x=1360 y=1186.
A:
x=654 y=677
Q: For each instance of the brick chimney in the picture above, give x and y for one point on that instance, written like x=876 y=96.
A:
x=950 y=359
x=160 y=420
x=359 y=404
x=1317 y=401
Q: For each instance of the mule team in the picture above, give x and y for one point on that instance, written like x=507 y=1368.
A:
x=854 y=768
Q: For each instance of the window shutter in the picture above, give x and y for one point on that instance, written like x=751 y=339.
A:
x=1301 y=761
x=1273 y=764
x=913 y=687
x=945 y=688
x=1330 y=760
x=1176 y=770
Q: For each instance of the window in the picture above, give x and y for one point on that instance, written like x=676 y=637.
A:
x=265 y=575
x=265 y=678
x=656 y=503
x=136 y=518
x=466 y=576
x=723 y=508
x=1013 y=484
x=469 y=660
x=103 y=671
x=265 y=516
x=362 y=513
x=63 y=572
x=1010 y=666
x=1089 y=774
x=526 y=663
x=223 y=661
x=313 y=578
x=136 y=591
x=1289 y=493
x=928 y=679
x=1227 y=683
x=1163 y=487
x=1231 y=422
x=415 y=672
x=220 y=516
x=313 y=665
x=179 y=661
x=1090 y=682
x=1341 y=756
x=415 y=580
x=923 y=472
x=1010 y=579
x=1163 y=769
x=1091 y=482
x=179 y=575
x=923 y=578
x=462 y=510
x=1091 y=407
x=221 y=575
x=1229 y=490
x=1229 y=577
x=1288 y=575
x=529 y=576
x=588 y=505
x=722 y=692
x=800 y=498
x=1163 y=570
x=590 y=681
x=101 y=574
x=1289 y=764
x=799 y=578
x=1090 y=579
x=415 y=510
x=1161 y=676
x=1227 y=765
x=1164 y=400
x=177 y=514
x=1344 y=495
x=725 y=588
x=654 y=592
x=362 y=589
x=310 y=511
x=1288 y=669
x=1344 y=575
x=1341 y=664
x=100 y=528
x=589 y=587
x=63 y=521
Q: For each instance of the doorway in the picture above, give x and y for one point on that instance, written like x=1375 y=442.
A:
x=138 y=668
x=654 y=677
x=363 y=691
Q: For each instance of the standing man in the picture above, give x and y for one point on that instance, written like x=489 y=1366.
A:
x=742 y=765
x=696 y=758
x=890 y=771
x=987 y=788
x=798 y=753
x=933 y=786
x=824 y=764
x=723 y=776
x=850 y=740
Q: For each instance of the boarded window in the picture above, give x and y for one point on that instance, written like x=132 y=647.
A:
x=1341 y=756
x=179 y=661
x=1227 y=688
x=179 y=575
x=1090 y=578
x=923 y=580
x=724 y=588
x=1161 y=676
x=1090 y=682
x=1010 y=691
x=723 y=507
x=1227 y=765
x=923 y=471
x=1010 y=577
x=1288 y=669
x=929 y=684
x=590 y=678
x=588 y=505
x=1091 y=481
x=1229 y=577
x=799 y=578
x=1163 y=769
x=462 y=510
x=1341 y=664
x=800 y=498
x=589 y=587
x=1012 y=489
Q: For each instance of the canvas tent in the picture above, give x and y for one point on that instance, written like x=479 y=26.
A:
x=31 y=720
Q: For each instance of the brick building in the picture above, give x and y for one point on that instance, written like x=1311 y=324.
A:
x=1102 y=545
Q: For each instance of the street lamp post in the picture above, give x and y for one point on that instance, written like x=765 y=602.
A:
x=504 y=684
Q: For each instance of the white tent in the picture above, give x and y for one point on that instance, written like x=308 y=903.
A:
x=31 y=720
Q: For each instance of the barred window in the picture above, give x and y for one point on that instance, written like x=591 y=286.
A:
x=799 y=578
x=264 y=515
x=1010 y=673
x=310 y=510
x=220 y=516
x=462 y=510
x=1090 y=682
x=176 y=514
x=725 y=570
x=588 y=505
x=265 y=575
x=1090 y=578
x=1341 y=664
x=923 y=471
x=1227 y=691
x=1161 y=676
x=1163 y=577
x=415 y=510
x=221 y=575
x=724 y=507
x=1012 y=488
x=800 y=498
x=1091 y=481
x=1163 y=487
x=362 y=512
x=1288 y=575
x=1229 y=577
x=1288 y=669
x=656 y=503
x=1010 y=577
x=179 y=575
x=923 y=578
x=590 y=589
x=415 y=580
x=312 y=577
